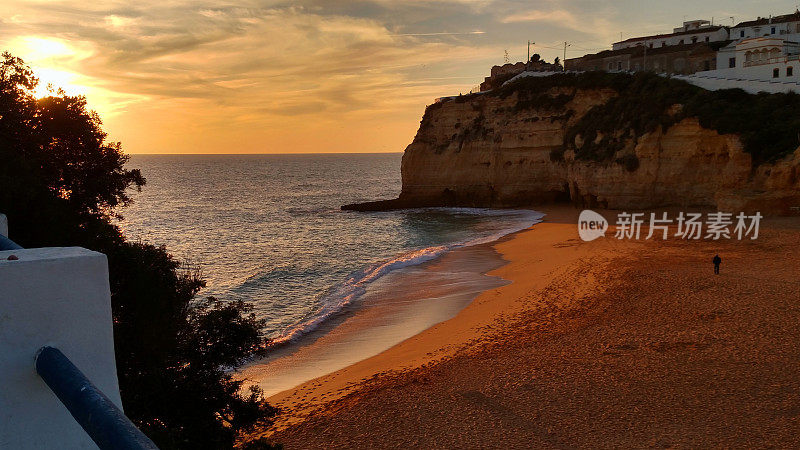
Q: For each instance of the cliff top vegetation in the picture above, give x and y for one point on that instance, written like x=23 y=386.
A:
x=767 y=124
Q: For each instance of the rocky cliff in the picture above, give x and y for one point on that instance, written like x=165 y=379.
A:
x=572 y=141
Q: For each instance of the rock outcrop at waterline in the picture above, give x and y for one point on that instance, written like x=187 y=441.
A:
x=549 y=141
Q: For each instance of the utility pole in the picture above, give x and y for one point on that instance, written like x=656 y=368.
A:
x=529 y=51
x=564 y=61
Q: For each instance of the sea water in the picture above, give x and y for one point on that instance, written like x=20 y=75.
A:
x=267 y=229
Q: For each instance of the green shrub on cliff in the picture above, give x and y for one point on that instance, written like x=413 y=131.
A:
x=60 y=182
x=767 y=124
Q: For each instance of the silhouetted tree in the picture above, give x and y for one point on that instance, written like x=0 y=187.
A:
x=60 y=182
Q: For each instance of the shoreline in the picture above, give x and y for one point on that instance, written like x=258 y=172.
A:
x=625 y=343
x=446 y=339
x=398 y=306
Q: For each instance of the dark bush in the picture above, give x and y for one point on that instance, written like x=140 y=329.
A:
x=60 y=185
x=767 y=123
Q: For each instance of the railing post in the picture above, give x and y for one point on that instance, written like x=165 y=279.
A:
x=108 y=427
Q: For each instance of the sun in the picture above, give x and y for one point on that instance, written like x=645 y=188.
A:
x=48 y=59
x=52 y=80
x=58 y=63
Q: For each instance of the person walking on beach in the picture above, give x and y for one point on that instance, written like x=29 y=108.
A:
x=717 y=260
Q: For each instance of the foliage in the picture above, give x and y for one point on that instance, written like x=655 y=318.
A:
x=586 y=80
x=60 y=183
x=766 y=123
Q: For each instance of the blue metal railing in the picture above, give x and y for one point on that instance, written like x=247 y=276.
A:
x=108 y=427
x=8 y=244
x=106 y=424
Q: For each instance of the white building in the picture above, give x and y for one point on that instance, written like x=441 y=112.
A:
x=750 y=57
x=691 y=32
x=757 y=64
x=768 y=26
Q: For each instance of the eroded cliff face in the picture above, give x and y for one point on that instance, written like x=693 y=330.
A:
x=489 y=150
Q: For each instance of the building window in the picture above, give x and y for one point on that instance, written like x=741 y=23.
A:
x=694 y=39
x=651 y=45
x=610 y=66
x=789 y=71
x=619 y=65
x=741 y=33
x=706 y=65
x=732 y=62
x=707 y=39
x=680 y=42
x=776 y=72
x=772 y=30
x=663 y=43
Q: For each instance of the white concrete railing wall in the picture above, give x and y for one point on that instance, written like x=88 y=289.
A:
x=713 y=83
x=58 y=297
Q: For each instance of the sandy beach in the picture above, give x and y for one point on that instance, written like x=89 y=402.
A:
x=609 y=343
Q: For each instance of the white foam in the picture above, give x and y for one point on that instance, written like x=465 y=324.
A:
x=356 y=284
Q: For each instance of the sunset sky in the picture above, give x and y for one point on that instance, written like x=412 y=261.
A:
x=174 y=76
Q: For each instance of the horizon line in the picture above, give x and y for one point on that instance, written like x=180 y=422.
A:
x=245 y=154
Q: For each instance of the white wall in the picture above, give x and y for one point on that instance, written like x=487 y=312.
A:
x=58 y=297
x=713 y=36
x=714 y=80
x=781 y=29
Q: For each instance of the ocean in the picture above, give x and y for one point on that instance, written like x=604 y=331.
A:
x=267 y=229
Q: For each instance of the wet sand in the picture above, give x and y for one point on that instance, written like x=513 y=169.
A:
x=602 y=344
x=398 y=306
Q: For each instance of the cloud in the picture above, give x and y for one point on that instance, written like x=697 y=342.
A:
x=191 y=75
x=254 y=70
x=558 y=15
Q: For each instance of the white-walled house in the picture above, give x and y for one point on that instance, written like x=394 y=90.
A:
x=749 y=57
x=691 y=32
x=761 y=55
x=758 y=64
x=768 y=26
